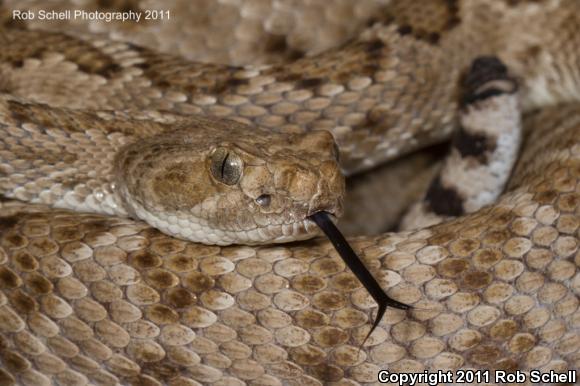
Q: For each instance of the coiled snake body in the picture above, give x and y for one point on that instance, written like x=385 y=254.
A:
x=95 y=299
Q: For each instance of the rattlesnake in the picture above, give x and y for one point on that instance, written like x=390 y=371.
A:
x=89 y=298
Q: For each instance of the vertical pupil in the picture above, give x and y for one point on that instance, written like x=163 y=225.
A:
x=224 y=162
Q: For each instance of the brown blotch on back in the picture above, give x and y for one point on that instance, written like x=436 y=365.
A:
x=326 y=266
x=23 y=303
x=72 y=121
x=180 y=263
x=339 y=65
x=167 y=246
x=190 y=78
x=546 y=197
x=452 y=267
x=198 y=282
x=308 y=283
x=464 y=247
x=37 y=44
x=96 y=226
x=233 y=82
x=310 y=83
x=496 y=237
x=329 y=300
x=503 y=330
x=160 y=278
x=9 y=279
x=179 y=298
x=144 y=259
x=24 y=261
x=39 y=284
x=311 y=319
x=331 y=336
x=67 y=233
x=569 y=201
x=326 y=372
x=476 y=280
x=471 y=340
x=501 y=218
x=307 y=355
x=346 y=282
x=27 y=113
x=485 y=354
x=14 y=361
x=161 y=314
x=487 y=257
x=42 y=246
x=17 y=60
x=14 y=240
x=521 y=343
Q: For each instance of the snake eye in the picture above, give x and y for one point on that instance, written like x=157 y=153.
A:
x=226 y=166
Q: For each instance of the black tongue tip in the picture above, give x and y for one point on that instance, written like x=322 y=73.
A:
x=322 y=219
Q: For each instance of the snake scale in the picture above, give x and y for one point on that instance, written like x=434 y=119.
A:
x=102 y=299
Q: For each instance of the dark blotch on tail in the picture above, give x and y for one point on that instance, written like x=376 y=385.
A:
x=474 y=145
x=444 y=201
x=483 y=70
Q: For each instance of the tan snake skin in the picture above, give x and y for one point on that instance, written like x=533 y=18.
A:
x=92 y=299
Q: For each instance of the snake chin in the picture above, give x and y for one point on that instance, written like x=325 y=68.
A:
x=193 y=228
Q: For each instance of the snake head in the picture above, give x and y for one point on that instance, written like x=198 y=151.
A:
x=222 y=182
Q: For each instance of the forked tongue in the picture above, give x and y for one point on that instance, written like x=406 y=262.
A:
x=357 y=267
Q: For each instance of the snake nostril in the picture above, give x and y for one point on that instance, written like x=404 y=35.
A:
x=264 y=200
